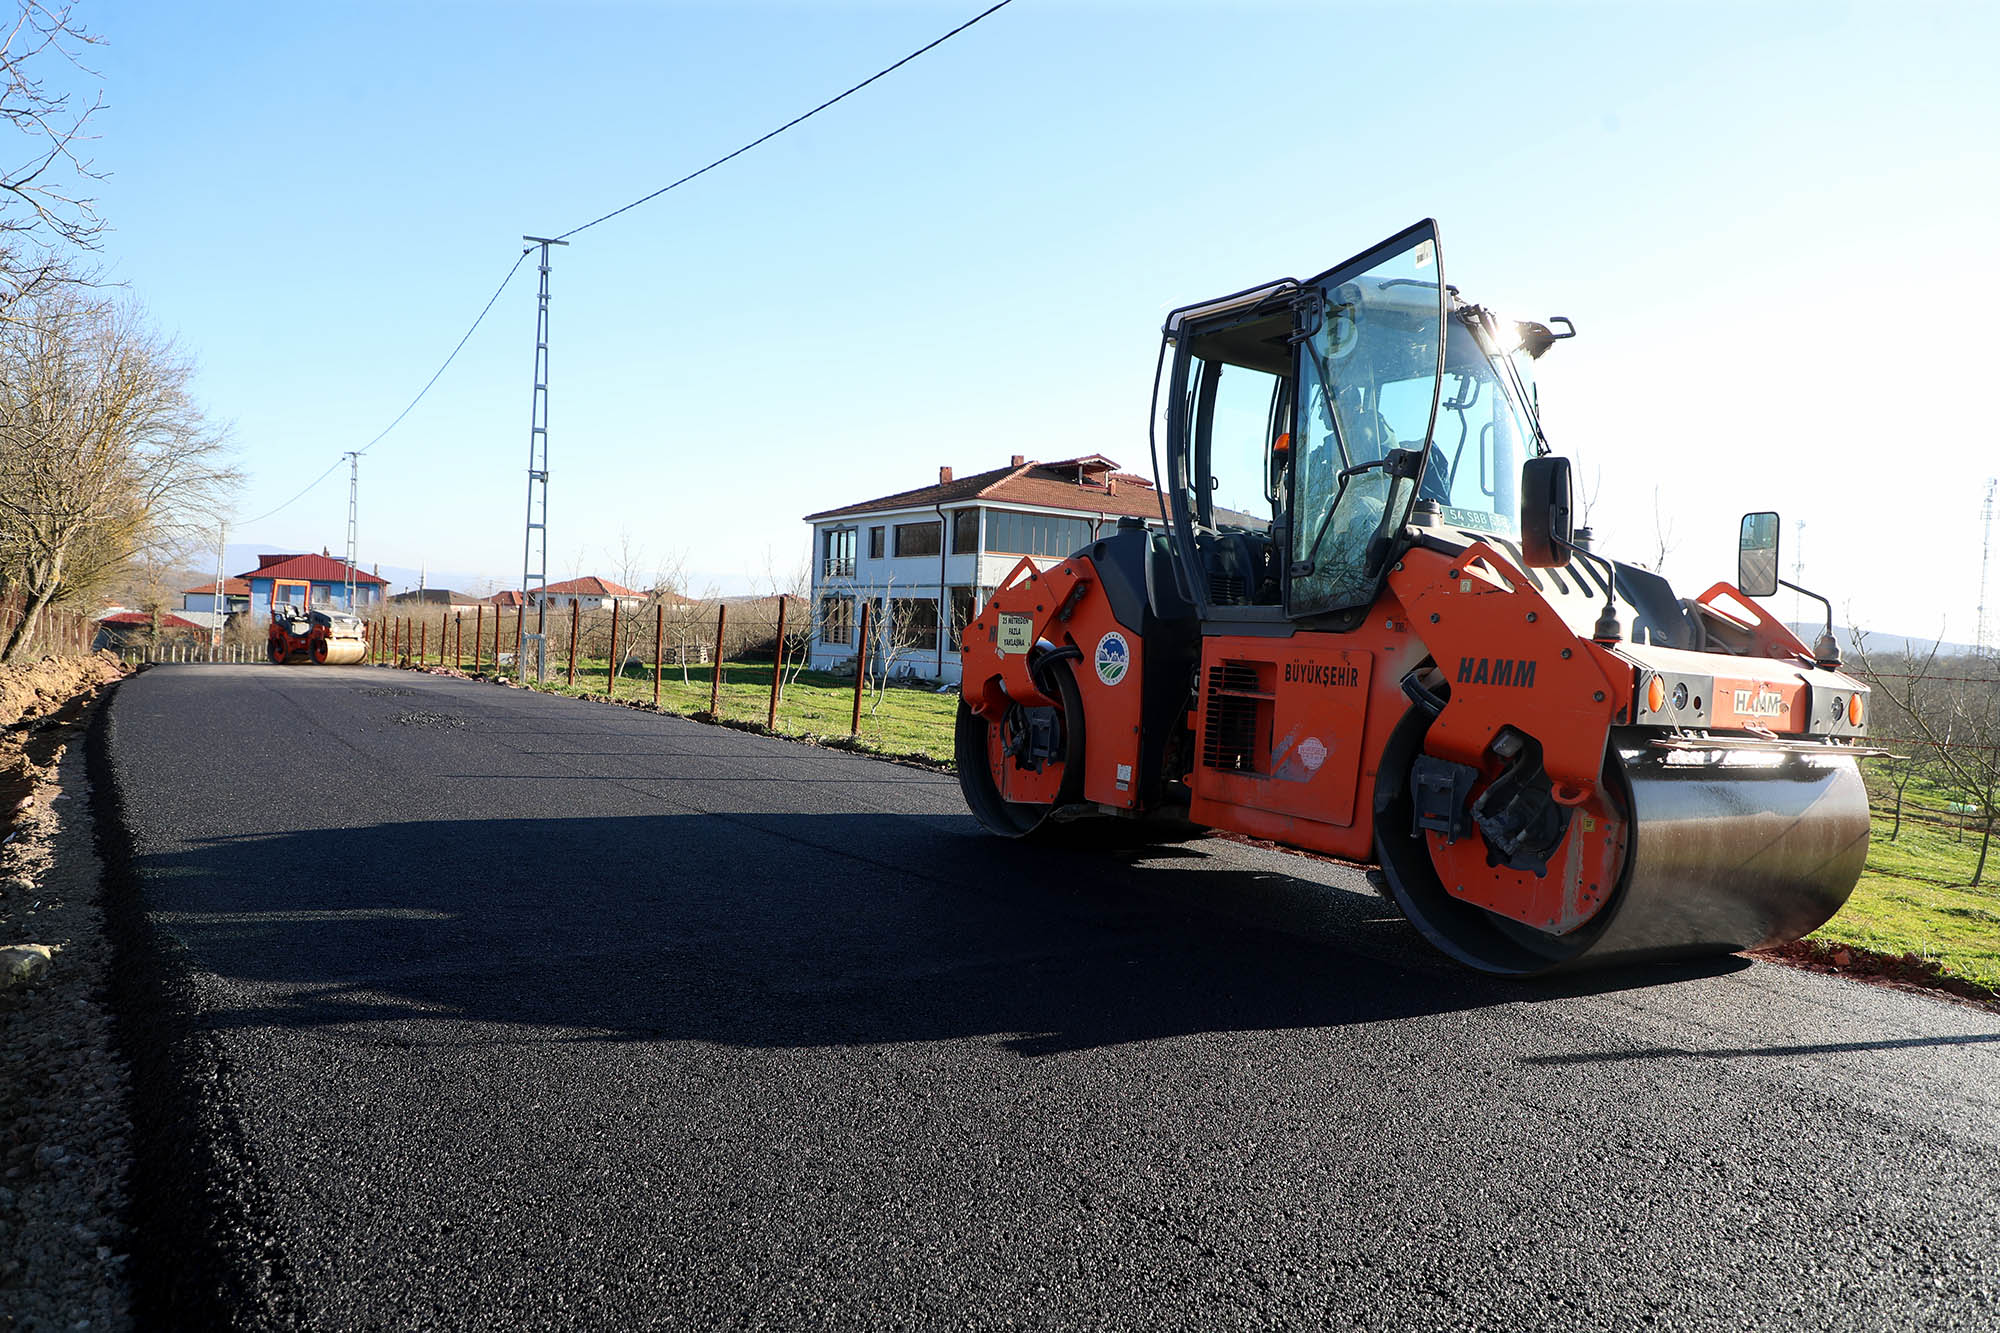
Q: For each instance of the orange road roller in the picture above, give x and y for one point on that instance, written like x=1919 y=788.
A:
x=323 y=636
x=1366 y=625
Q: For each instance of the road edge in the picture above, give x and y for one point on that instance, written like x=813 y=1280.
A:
x=201 y=1255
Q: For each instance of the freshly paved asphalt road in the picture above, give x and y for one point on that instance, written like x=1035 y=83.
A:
x=468 y=1008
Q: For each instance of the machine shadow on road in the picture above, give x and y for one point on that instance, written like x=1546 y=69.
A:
x=789 y=929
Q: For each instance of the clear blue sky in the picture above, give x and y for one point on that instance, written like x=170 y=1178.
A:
x=1773 y=224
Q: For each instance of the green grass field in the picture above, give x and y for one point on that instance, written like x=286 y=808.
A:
x=1915 y=897
x=907 y=723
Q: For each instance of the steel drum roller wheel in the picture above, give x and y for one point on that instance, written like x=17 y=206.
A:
x=984 y=768
x=1720 y=855
x=275 y=651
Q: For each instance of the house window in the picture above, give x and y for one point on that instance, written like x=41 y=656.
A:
x=914 y=622
x=839 y=554
x=874 y=543
x=963 y=608
x=1036 y=534
x=965 y=532
x=917 y=539
x=836 y=620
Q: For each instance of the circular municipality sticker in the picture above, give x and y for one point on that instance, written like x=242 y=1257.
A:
x=1113 y=657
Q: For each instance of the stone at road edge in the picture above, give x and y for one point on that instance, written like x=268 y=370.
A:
x=23 y=963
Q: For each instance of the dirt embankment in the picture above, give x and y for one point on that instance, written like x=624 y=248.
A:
x=34 y=699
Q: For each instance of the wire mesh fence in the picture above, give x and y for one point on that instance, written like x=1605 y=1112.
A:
x=743 y=661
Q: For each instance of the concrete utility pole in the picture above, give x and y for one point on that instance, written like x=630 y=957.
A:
x=535 y=539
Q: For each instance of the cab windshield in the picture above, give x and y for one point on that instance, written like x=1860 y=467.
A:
x=1483 y=436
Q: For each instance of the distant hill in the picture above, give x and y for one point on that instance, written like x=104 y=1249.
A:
x=1882 y=643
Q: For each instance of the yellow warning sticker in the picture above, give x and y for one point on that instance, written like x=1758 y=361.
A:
x=1017 y=633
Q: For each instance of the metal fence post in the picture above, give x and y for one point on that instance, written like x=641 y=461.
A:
x=575 y=611
x=860 y=670
x=715 y=670
x=659 y=638
x=479 y=631
x=611 y=666
x=496 y=640
x=423 y=641
x=777 y=667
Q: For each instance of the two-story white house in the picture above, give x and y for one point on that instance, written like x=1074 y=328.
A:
x=926 y=560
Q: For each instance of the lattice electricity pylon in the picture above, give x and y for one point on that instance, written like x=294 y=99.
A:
x=353 y=513
x=535 y=538
x=1985 y=558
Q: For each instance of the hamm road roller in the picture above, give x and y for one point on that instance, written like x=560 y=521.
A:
x=321 y=635
x=1370 y=629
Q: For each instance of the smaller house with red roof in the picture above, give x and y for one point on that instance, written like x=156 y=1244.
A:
x=310 y=580
x=926 y=560
x=589 y=592
x=201 y=597
x=122 y=629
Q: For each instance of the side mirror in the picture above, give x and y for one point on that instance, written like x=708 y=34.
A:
x=1757 y=555
x=1545 y=512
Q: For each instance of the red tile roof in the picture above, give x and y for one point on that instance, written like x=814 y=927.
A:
x=590 y=586
x=141 y=618
x=234 y=587
x=510 y=597
x=1045 y=485
x=309 y=568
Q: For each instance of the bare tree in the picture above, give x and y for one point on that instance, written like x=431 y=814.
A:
x=1954 y=721
x=104 y=454
x=1665 y=543
x=45 y=218
x=628 y=560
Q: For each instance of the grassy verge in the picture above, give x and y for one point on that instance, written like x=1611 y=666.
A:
x=1915 y=898
x=905 y=723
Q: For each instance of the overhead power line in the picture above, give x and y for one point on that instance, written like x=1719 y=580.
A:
x=380 y=435
x=624 y=208
x=296 y=498
x=459 y=347
x=880 y=73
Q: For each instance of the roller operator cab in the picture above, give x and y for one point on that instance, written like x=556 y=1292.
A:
x=1365 y=627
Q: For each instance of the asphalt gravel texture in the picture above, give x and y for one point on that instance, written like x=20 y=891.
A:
x=460 y=1007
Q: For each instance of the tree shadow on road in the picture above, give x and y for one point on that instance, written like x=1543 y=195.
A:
x=789 y=930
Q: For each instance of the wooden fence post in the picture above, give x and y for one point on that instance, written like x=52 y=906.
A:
x=517 y=641
x=479 y=631
x=715 y=671
x=777 y=667
x=860 y=669
x=659 y=639
x=575 y=611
